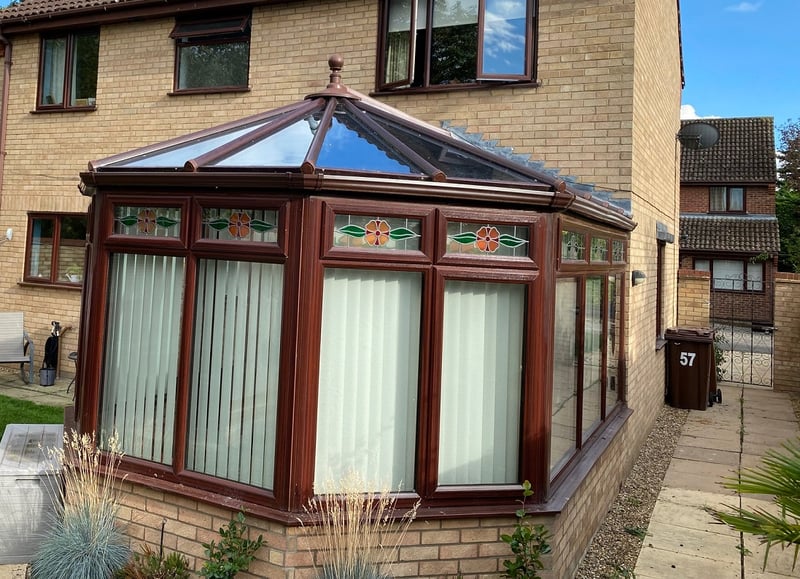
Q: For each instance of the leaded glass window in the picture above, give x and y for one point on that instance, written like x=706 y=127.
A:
x=240 y=225
x=359 y=231
x=147 y=221
x=499 y=240
x=573 y=246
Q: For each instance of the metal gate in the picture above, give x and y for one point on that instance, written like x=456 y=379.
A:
x=742 y=319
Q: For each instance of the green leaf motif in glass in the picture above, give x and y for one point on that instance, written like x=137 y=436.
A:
x=465 y=238
x=401 y=233
x=129 y=220
x=165 y=222
x=510 y=241
x=353 y=231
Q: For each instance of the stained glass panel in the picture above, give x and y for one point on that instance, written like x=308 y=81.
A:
x=147 y=221
x=361 y=231
x=573 y=246
x=240 y=225
x=500 y=240
x=599 y=250
x=618 y=251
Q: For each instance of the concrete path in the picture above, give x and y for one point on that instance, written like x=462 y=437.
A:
x=683 y=540
x=11 y=385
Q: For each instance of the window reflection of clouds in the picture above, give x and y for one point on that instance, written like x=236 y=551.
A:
x=504 y=37
x=285 y=148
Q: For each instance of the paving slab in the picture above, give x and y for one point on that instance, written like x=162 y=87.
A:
x=683 y=539
x=697 y=475
x=701 y=454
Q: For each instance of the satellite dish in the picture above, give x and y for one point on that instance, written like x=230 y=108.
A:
x=698 y=136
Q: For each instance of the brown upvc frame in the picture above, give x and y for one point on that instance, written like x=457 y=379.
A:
x=304 y=247
x=69 y=57
x=209 y=37
x=580 y=271
x=53 y=278
x=490 y=80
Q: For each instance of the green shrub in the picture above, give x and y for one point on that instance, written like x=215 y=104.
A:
x=233 y=553
x=528 y=543
x=151 y=565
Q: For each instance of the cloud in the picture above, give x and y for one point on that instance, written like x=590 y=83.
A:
x=688 y=113
x=744 y=7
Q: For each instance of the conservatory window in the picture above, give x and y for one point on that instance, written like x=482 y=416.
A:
x=145 y=297
x=481 y=383
x=368 y=378
x=236 y=355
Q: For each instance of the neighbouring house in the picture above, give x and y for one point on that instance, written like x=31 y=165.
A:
x=446 y=263
x=728 y=225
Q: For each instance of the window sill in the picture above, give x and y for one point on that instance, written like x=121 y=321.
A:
x=208 y=90
x=64 y=110
x=51 y=285
x=660 y=343
x=577 y=473
x=453 y=87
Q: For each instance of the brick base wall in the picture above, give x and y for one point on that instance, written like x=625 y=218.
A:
x=465 y=548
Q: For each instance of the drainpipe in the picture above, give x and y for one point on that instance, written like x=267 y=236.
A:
x=4 y=109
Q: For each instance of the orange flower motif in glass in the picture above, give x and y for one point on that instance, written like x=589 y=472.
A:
x=239 y=225
x=488 y=239
x=146 y=221
x=377 y=232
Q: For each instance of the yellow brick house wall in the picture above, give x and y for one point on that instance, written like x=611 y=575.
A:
x=605 y=111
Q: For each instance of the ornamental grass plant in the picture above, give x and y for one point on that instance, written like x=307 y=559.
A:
x=85 y=539
x=360 y=532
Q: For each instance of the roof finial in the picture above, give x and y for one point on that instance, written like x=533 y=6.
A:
x=336 y=62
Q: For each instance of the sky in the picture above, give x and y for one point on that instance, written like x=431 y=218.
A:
x=741 y=59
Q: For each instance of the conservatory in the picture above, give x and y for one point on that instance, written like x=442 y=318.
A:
x=335 y=287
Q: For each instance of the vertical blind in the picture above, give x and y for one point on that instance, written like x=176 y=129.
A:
x=565 y=374
x=481 y=383
x=235 y=358
x=141 y=357
x=368 y=378
x=592 y=354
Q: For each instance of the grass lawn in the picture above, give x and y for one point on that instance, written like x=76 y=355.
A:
x=13 y=411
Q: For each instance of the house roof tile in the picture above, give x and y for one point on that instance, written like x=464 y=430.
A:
x=745 y=153
x=34 y=8
x=747 y=234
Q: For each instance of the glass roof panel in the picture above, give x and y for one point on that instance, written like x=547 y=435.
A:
x=351 y=146
x=286 y=148
x=175 y=157
x=456 y=163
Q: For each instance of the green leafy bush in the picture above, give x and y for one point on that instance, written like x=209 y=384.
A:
x=528 y=543
x=151 y=565
x=233 y=553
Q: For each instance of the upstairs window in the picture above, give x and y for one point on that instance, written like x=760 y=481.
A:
x=68 y=71
x=726 y=199
x=429 y=44
x=212 y=54
x=56 y=248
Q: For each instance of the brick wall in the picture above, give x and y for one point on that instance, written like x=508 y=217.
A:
x=693 y=298
x=786 y=362
x=430 y=548
x=759 y=199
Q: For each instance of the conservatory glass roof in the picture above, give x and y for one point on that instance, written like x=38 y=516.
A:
x=333 y=131
x=345 y=139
